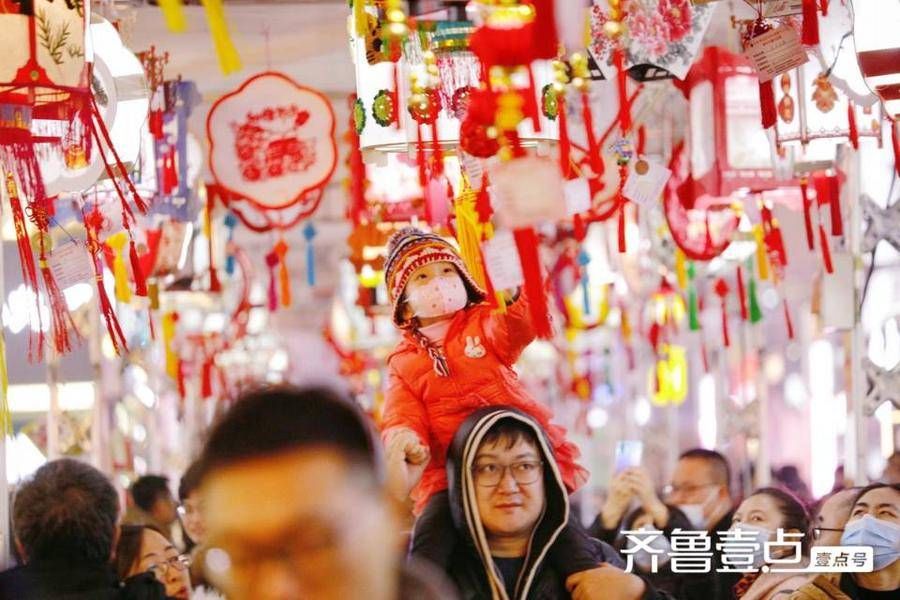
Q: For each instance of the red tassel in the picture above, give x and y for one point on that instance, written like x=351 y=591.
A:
x=182 y=387
x=101 y=130
x=531 y=103
x=137 y=272
x=641 y=144
x=206 y=379
x=742 y=294
x=895 y=142
x=823 y=6
x=93 y=223
x=215 y=285
x=155 y=124
x=721 y=290
x=593 y=147
x=29 y=271
x=170 y=173
x=826 y=250
x=396 y=93
x=272 y=261
x=528 y=247
x=437 y=164
x=810 y=32
x=854 y=131
x=767 y=104
x=546 y=40
x=580 y=228
x=623 y=244
x=787 y=320
x=807 y=213
x=483 y=204
x=828 y=192
x=420 y=158
x=565 y=145
x=622 y=80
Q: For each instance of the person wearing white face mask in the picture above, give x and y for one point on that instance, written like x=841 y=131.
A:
x=874 y=521
x=663 y=578
x=763 y=513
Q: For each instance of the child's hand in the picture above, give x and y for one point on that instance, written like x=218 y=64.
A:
x=406 y=458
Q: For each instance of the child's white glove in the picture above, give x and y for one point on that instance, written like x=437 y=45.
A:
x=407 y=458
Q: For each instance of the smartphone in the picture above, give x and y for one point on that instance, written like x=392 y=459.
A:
x=628 y=454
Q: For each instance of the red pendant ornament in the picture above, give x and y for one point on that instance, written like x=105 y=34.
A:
x=721 y=290
x=93 y=225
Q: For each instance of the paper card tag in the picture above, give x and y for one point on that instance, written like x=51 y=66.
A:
x=170 y=246
x=70 y=264
x=775 y=52
x=471 y=166
x=501 y=259
x=578 y=196
x=645 y=183
x=528 y=191
x=782 y=8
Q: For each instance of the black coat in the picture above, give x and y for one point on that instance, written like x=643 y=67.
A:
x=56 y=580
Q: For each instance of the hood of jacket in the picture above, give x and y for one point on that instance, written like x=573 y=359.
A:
x=464 y=505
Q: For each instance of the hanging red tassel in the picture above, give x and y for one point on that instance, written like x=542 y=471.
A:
x=357 y=171
x=787 y=319
x=622 y=85
x=528 y=246
x=170 y=173
x=531 y=104
x=851 y=121
x=272 y=261
x=93 y=224
x=579 y=228
x=483 y=205
x=29 y=271
x=206 y=390
x=810 y=33
x=826 y=250
x=807 y=212
x=641 y=143
x=396 y=93
x=823 y=6
x=100 y=130
x=437 y=157
x=565 y=145
x=621 y=238
x=596 y=160
x=767 y=104
x=742 y=294
x=137 y=272
x=721 y=290
x=155 y=124
x=895 y=142
x=828 y=191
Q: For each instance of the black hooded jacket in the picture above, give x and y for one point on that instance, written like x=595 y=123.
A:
x=471 y=566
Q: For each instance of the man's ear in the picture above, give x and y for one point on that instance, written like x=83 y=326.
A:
x=21 y=550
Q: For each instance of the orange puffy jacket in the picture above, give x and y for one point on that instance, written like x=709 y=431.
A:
x=480 y=346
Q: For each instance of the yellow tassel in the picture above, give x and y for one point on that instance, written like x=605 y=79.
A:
x=680 y=270
x=626 y=326
x=467 y=233
x=120 y=270
x=168 y=331
x=5 y=414
x=173 y=13
x=360 y=18
x=229 y=61
x=603 y=312
x=762 y=259
x=574 y=310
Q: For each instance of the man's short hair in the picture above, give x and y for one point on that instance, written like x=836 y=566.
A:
x=718 y=464
x=510 y=431
x=67 y=510
x=277 y=419
x=190 y=481
x=146 y=490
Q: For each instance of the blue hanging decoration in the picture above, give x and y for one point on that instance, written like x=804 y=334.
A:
x=309 y=232
x=230 y=222
x=583 y=260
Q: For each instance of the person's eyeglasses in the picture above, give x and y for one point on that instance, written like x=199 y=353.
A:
x=491 y=474
x=686 y=489
x=179 y=563
x=817 y=531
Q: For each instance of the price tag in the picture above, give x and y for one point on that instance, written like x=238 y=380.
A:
x=775 y=52
x=70 y=264
x=501 y=259
x=645 y=183
x=578 y=196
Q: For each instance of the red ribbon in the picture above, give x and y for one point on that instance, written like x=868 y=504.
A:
x=565 y=145
x=742 y=294
x=807 y=213
x=851 y=121
x=528 y=246
x=810 y=32
x=767 y=104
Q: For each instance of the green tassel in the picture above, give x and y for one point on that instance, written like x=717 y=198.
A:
x=692 y=299
x=755 y=312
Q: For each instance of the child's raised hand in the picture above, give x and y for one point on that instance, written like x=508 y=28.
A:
x=407 y=458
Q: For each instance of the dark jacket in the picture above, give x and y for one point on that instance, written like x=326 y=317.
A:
x=56 y=580
x=714 y=585
x=471 y=565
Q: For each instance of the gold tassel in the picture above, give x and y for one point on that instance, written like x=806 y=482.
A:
x=603 y=312
x=120 y=270
x=5 y=414
x=467 y=233
x=168 y=327
x=173 y=13
x=360 y=18
x=229 y=61
x=680 y=270
x=762 y=260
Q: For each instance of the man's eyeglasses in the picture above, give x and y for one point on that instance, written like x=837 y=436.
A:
x=179 y=563
x=817 y=531
x=491 y=474
x=686 y=489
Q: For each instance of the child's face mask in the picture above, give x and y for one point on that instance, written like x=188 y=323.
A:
x=436 y=290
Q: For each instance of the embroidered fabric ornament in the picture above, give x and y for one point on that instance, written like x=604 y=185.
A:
x=549 y=102
x=384 y=109
x=359 y=116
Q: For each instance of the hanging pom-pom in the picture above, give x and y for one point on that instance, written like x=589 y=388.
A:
x=284 y=276
x=116 y=243
x=851 y=122
x=787 y=319
x=721 y=290
x=309 y=233
x=583 y=260
x=693 y=311
x=742 y=293
x=528 y=246
x=810 y=32
x=755 y=311
x=137 y=272
x=826 y=250
x=807 y=212
x=272 y=261
x=680 y=271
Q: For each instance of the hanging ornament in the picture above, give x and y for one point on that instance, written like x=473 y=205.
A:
x=755 y=311
x=284 y=276
x=309 y=233
x=549 y=102
x=359 y=116
x=272 y=261
x=721 y=289
x=384 y=109
x=807 y=212
x=116 y=243
x=693 y=309
x=742 y=294
x=93 y=225
x=29 y=271
x=230 y=223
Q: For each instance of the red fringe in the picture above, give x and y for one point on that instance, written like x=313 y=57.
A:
x=807 y=214
x=437 y=164
x=100 y=125
x=622 y=81
x=215 y=285
x=60 y=318
x=810 y=32
x=742 y=294
x=137 y=272
x=593 y=147
x=826 y=250
x=420 y=158
x=565 y=145
x=528 y=246
x=726 y=339
x=623 y=243
x=851 y=121
x=787 y=320
x=767 y=104
x=272 y=260
x=92 y=226
x=206 y=379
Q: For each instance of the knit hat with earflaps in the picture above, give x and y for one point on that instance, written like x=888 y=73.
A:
x=411 y=248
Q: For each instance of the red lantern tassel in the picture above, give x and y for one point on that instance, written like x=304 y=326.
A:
x=215 y=285
x=137 y=272
x=593 y=147
x=396 y=93
x=60 y=319
x=721 y=290
x=828 y=192
x=29 y=271
x=742 y=294
x=565 y=145
x=93 y=223
x=826 y=250
x=810 y=32
x=272 y=261
x=767 y=104
x=851 y=121
x=531 y=102
x=622 y=80
x=437 y=158
x=420 y=160
x=787 y=319
x=206 y=379
x=101 y=130
x=623 y=244
x=528 y=247
x=807 y=213
x=823 y=6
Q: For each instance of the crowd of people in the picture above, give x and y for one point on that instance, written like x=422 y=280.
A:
x=290 y=499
